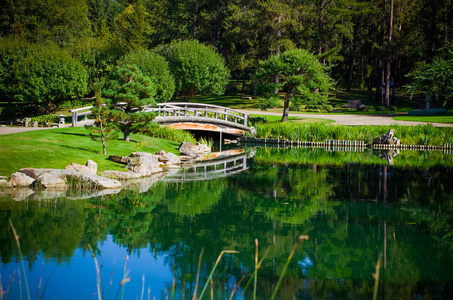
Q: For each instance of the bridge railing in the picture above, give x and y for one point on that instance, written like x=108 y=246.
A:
x=181 y=109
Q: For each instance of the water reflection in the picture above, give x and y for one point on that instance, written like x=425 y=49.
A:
x=352 y=213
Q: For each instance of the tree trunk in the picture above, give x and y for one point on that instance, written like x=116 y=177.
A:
x=380 y=80
x=219 y=11
x=126 y=132
x=195 y=16
x=286 y=105
x=389 y=48
x=277 y=52
x=352 y=49
x=433 y=31
x=320 y=28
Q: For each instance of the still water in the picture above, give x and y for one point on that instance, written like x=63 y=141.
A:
x=353 y=214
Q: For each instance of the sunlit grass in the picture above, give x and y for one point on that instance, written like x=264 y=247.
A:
x=447 y=118
x=57 y=148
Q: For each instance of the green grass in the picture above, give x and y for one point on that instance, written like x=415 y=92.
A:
x=57 y=148
x=447 y=118
x=272 y=118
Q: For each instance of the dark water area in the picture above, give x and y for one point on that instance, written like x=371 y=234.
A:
x=353 y=214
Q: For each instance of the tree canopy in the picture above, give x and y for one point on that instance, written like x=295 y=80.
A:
x=128 y=91
x=196 y=68
x=156 y=68
x=302 y=77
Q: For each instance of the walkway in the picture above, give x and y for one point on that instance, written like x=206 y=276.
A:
x=353 y=119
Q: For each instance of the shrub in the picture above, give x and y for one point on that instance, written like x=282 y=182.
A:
x=45 y=119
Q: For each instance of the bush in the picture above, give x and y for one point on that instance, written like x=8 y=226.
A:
x=231 y=89
x=171 y=134
x=45 y=119
x=254 y=120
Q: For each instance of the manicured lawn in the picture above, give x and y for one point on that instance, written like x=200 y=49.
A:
x=271 y=118
x=447 y=118
x=57 y=148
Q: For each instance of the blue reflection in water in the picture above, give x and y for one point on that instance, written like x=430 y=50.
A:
x=77 y=279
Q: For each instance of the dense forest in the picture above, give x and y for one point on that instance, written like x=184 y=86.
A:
x=366 y=44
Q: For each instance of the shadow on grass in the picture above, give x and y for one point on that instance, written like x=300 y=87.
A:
x=82 y=149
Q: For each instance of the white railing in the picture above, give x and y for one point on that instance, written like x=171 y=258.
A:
x=197 y=110
x=76 y=113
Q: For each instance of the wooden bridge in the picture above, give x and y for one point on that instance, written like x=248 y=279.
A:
x=201 y=117
x=219 y=167
x=190 y=116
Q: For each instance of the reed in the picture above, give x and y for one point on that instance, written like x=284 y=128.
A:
x=16 y=237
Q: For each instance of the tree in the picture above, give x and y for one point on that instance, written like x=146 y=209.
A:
x=102 y=130
x=129 y=91
x=156 y=68
x=42 y=75
x=196 y=68
x=436 y=78
x=301 y=75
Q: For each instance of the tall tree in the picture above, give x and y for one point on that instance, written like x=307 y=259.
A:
x=129 y=92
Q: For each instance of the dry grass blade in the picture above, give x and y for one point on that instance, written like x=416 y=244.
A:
x=98 y=273
x=299 y=240
x=213 y=269
x=16 y=237
x=198 y=275
x=235 y=288
x=258 y=266
x=376 y=277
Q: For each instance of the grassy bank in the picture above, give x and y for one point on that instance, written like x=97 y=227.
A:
x=57 y=148
x=445 y=118
x=319 y=132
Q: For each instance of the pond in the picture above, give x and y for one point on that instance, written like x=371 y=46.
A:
x=353 y=213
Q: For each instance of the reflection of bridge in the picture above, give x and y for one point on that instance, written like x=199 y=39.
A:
x=201 y=117
x=221 y=166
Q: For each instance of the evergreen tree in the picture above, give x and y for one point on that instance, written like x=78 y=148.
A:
x=129 y=91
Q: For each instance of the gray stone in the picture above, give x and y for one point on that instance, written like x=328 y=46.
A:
x=160 y=152
x=119 y=159
x=162 y=158
x=173 y=159
x=20 y=179
x=143 y=162
x=90 y=181
x=354 y=103
x=121 y=175
x=35 y=173
x=92 y=166
x=78 y=168
x=51 y=181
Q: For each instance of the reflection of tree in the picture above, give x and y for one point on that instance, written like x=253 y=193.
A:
x=52 y=228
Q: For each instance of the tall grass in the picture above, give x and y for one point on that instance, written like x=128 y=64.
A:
x=167 y=133
x=319 y=132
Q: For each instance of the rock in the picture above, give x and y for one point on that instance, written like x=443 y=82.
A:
x=35 y=173
x=191 y=150
x=119 y=159
x=51 y=181
x=354 y=103
x=121 y=175
x=185 y=147
x=362 y=108
x=143 y=162
x=173 y=159
x=21 y=194
x=160 y=152
x=90 y=181
x=20 y=179
x=161 y=158
x=201 y=149
x=92 y=166
x=78 y=168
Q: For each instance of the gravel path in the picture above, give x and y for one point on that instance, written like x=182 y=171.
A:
x=353 y=119
x=339 y=120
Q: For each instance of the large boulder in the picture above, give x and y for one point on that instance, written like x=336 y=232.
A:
x=191 y=150
x=50 y=180
x=21 y=180
x=89 y=168
x=143 y=162
x=90 y=181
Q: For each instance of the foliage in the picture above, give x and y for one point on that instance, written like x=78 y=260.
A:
x=167 y=133
x=45 y=119
x=102 y=130
x=196 y=68
x=301 y=76
x=40 y=74
x=129 y=91
x=408 y=135
x=436 y=78
x=156 y=68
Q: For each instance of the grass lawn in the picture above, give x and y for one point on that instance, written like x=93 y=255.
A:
x=57 y=148
x=271 y=118
x=338 y=98
x=447 y=118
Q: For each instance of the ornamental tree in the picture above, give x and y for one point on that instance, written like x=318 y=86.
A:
x=301 y=76
x=435 y=78
x=129 y=91
x=196 y=68
x=156 y=68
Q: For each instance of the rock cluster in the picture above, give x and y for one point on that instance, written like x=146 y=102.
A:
x=85 y=179
x=387 y=139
